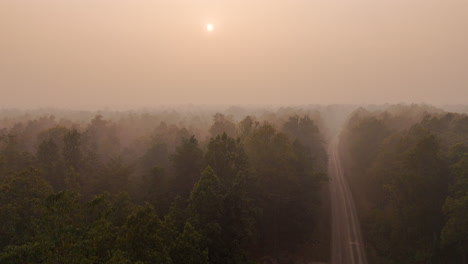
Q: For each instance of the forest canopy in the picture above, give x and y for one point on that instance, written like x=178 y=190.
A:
x=159 y=187
x=235 y=185
x=409 y=172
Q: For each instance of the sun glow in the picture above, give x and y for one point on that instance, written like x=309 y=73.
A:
x=209 y=27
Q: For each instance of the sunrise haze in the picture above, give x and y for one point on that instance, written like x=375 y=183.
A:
x=80 y=53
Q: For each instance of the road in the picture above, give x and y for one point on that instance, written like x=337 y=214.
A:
x=347 y=246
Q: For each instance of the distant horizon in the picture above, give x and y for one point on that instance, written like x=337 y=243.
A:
x=461 y=108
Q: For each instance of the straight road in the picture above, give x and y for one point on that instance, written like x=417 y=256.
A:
x=347 y=246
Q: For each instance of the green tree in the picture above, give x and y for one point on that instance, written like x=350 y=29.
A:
x=287 y=189
x=205 y=206
x=105 y=216
x=57 y=237
x=51 y=163
x=238 y=212
x=187 y=248
x=157 y=189
x=304 y=130
x=114 y=177
x=187 y=163
x=72 y=152
x=12 y=158
x=101 y=138
x=21 y=195
x=413 y=178
x=230 y=163
x=227 y=157
x=455 y=231
x=48 y=152
x=142 y=237
x=222 y=124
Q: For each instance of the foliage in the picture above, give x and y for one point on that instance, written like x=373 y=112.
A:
x=84 y=193
x=413 y=180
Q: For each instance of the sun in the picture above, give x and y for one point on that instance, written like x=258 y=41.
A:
x=209 y=27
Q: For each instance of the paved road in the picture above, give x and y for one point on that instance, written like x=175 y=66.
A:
x=347 y=246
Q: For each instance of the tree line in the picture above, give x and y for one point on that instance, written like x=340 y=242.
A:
x=409 y=173
x=74 y=192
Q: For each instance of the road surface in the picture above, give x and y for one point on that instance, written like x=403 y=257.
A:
x=347 y=246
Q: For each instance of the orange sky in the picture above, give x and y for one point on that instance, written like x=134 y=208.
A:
x=83 y=53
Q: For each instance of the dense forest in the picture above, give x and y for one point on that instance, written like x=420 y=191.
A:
x=408 y=168
x=159 y=186
x=233 y=132
x=239 y=185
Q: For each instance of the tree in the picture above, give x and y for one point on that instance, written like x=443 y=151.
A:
x=222 y=124
x=48 y=153
x=227 y=157
x=247 y=125
x=156 y=189
x=101 y=138
x=455 y=231
x=51 y=163
x=364 y=137
x=105 y=216
x=114 y=177
x=205 y=206
x=307 y=133
x=12 y=159
x=187 y=163
x=156 y=156
x=287 y=189
x=238 y=211
x=142 y=238
x=413 y=179
x=72 y=152
x=57 y=237
x=418 y=192
x=206 y=199
x=187 y=248
x=21 y=195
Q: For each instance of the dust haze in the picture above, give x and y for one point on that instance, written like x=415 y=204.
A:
x=233 y=131
x=126 y=54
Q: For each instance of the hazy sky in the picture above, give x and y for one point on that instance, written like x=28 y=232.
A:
x=140 y=53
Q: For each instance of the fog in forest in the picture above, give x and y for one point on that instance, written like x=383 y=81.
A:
x=233 y=132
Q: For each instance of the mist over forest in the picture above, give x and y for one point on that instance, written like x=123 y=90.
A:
x=230 y=184
x=233 y=132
